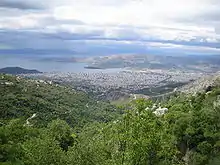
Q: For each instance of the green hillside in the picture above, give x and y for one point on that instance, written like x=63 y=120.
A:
x=21 y=98
x=184 y=130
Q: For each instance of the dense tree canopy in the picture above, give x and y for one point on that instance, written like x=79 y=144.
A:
x=188 y=132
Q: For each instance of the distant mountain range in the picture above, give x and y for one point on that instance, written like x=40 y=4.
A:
x=18 y=70
x=209 y=64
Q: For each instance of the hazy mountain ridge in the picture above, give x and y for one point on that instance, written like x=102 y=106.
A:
x=191 y=63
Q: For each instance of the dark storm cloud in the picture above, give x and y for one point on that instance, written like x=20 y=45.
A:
x=21 y=4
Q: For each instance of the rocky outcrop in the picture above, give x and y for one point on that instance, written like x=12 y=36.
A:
x=204 y=84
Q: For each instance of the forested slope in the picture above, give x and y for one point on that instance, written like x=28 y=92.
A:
x=21 y=98
x=185 y=130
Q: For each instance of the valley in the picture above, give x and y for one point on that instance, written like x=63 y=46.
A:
x=120 y=77
x=118 y=85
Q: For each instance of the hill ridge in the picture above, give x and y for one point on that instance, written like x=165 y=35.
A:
x=18 y=70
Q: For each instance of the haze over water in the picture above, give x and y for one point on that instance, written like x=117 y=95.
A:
x=51 y=66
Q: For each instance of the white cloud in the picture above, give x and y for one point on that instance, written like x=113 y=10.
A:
x=176 y=20
x=23 y=21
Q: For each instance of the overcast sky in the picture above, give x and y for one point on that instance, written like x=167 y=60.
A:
x=128 y=26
